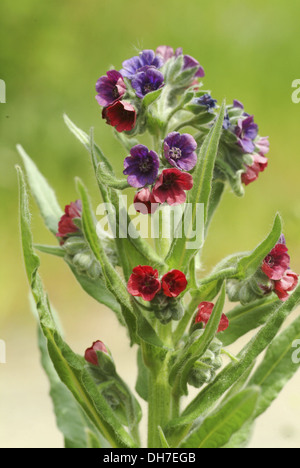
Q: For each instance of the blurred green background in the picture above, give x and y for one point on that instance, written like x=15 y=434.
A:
x=51 y=55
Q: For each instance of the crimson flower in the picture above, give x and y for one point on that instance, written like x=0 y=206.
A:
x=120 y=115
x=66 y=225
x=277 y=262
x=286 y=285
x=171 y=186
x=173 y=283
x=144 y=282
x=91 y=355
x=204 y=312
x=252 y=172
x=143 y=202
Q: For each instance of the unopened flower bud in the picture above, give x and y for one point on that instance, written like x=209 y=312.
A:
x=83 y=260
x=73 y=245
x=91 y=353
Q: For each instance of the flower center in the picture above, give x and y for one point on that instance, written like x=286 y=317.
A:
x=115 y=92
x=148 y=87
x=145 y=165
x=175 y=153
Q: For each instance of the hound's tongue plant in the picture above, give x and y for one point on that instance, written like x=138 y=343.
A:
x=173 y=314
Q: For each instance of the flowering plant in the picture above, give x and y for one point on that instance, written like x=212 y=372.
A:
x=173 y=315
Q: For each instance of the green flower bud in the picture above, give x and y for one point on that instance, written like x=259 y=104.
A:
x=74 y=245
x=94 y=271
x=199 y=376
x=83 y=260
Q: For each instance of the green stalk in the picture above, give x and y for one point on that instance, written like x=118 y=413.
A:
x=159 y=403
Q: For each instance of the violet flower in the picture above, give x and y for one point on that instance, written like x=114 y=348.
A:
x=147 y=80
x=110 y=88
x=179 y=150
x=207 y=101
x=141 y=166
x=246 y=132
x=145 y=58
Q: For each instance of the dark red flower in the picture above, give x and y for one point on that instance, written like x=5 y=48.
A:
x=91 y=355
x=286 y=285
x=173 y=283
x=144 y=202
x=171 y=187
x=120 y=115
x=204 y=312
x=277 y=262
x=144 y=282
x=66 y=225
x=260 y=163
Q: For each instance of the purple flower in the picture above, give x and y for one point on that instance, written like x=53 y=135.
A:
x=179 y=150
x=207 y=101
x=238 y=104
x=141 y=166
x=145 y=58
x=147 y=80
x=246 y=132
x=190 y=62
x=110 y=88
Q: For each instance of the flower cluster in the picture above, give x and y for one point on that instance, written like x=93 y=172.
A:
x=145 y=283
x=142 y=169
x=274 y=275
x=244 y=151
x=77 y=251
x=120 y=92
x=276 y=266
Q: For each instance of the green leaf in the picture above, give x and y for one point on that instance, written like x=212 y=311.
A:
x=97 y=289
x=70 y=419
x=278 y=367
x=179 y=256
x=92 y=440
x=51 y=250
x=194 y=349
x=249 y=264
x=113 y=281
x=110 y=180
x=69 y=366
x=243 y=319
x=163 y=440
x=85 y=141
x=242 y=437
x=141 y=386
x=151 y=97
x=218 y=427
x=42 y=192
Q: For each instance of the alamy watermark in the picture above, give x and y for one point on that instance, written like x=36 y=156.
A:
x=296 y=353
x=2 y=92
x=296 y=93
x=174 y=222
x=2 y=352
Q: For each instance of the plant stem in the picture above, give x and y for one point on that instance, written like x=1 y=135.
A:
x=159 y=403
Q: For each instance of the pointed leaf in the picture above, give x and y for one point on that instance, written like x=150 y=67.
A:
x=218 y=428
x=42 y=192
x=278 y=367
